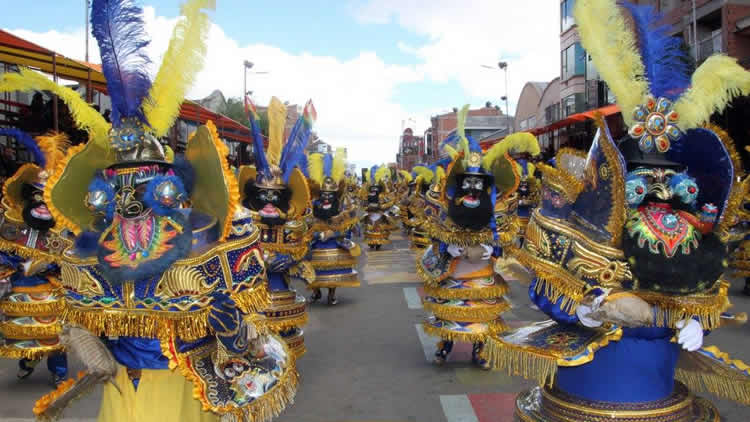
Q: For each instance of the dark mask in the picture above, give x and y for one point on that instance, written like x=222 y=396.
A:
x=327 y=206
x=471 y=206
x=373 y=195
x=35 y=212
x=271 y=204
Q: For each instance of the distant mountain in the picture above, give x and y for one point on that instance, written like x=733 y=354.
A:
x=215 y=102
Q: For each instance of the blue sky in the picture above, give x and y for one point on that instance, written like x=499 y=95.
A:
x=367 y=64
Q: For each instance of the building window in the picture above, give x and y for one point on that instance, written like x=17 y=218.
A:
x=552 y=113
x=667 y=5
x=573 y=62
x=566 y=15
x=523 y=125
x=573 y=104
x=532 y=122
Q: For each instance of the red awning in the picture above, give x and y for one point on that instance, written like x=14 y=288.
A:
x=572 y=119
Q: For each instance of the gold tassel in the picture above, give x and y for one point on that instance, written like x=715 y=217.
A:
x=10 y=352
x=490 y=292
x=26 y=252
x=254 y=299
x=329 y=284
x=715 y=384
x=296 y=250
x=19 y=309
x=484 y=313
x=495 y=327
x=278 y=325
x=458 y=236
x=150 y=324
x=519 y=362
x=29 y=332
x=334 y=265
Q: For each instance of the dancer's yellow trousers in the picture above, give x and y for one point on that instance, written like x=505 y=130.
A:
x=162 y=396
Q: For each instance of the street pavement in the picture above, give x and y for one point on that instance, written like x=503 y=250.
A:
x=368 y=360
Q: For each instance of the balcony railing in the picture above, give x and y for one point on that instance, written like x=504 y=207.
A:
x=710 y=46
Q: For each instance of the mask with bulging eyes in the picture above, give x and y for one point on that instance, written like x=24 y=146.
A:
x=657 y=185
x=473 y=186
x=35 y=212
x=472 y=205
x=326 y=206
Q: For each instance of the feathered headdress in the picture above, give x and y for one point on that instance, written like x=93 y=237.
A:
x=327 y=170
x=46 y=151
x=663 y=105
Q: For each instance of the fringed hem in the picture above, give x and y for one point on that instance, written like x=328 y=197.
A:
x=377 y=241
x=18 y=309
x=564 y=286
x=428 y=278
x=484 y=313
x=28 y=332
x=28 y=253
x=277 y=325
x=254 y=299
x=706 y=307
x=519 y=362
x=10 y=352
x=296 y=250
x=463 y=238
x=478 y=293
x=495 y=327
x=150 y=324
x=715 y=384
x=334 y=265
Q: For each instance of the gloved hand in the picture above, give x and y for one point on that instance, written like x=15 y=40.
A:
x=689 y=334
x=487 y=252
x=455 y=250
x=584 y=311
x=279 y=263
x=227 y=322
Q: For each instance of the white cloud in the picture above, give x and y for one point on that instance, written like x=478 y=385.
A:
x=354 y=98
x=463 y=35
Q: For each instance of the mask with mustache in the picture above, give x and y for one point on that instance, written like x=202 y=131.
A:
x=35 y=212
x=471 y=207
x=271 y=204
x=373 y=195
x=327 y=206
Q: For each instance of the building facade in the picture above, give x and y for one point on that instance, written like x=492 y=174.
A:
x=480 y=123
x=411 y=150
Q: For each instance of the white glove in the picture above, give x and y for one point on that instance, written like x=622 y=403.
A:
x=690 y=334
x=487 y=252
x=455 y=250
x=583 y=312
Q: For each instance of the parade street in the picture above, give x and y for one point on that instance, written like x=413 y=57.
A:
x=368 y=359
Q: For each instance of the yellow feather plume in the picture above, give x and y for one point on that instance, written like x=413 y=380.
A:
x=276 y=124
x=182 y=62
x=463 y=143
x=498 y=150
x=54 y=146
x=339 y=164
x=607 y=37
x=423 y=172
x=315 y=167
x=439 y=174
x=531 y=168
x=450 y=151
x=381 y=173
x=85 y=117
x=406 y=176
x=713 y=85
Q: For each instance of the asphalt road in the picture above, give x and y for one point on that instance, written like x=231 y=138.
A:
x=367 y=361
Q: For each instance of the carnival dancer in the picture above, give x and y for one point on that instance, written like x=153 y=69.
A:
x=624 y=246
x=275 y=190
x=422 y=179
x=333 y=254
x=406 y=188
x=30 y=248
x=463 y=293
x=379 y=200
x=167 y=266
x=529 y=188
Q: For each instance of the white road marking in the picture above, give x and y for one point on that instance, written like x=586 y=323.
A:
x=413 y=301
x=458 y=409
x=428 y=343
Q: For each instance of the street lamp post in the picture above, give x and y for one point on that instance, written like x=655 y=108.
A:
x=246 y=65
x=504 y=66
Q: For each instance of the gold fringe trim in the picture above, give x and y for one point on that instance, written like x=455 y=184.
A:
x=29 y=253
x=151 y=324
x=337 y=227
x=277 y=325
x=715 y=384
x=496 y=327
x=333 y=265
x=498 y=290
x=377 y=241
x=457 y=236
x=537 y=364
x=553 y=281
x=254 y=299
x=484 y=313
x=61 y=220
x=31 y=308
x=428 y=278
x=706 y=307
x=296 y=250
x=299 y=351
x=328 y=284
x=10 y=352
x=29 y=332
x=230 y=181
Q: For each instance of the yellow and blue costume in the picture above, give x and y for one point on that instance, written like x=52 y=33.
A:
x=166 y=268
x=333 y=255
x=624 y=246
x=30 y=248
x=414 y=205
x=276 y=192
x=378 y=200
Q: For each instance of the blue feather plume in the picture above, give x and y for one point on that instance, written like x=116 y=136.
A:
x=294 y=149
x=118 y=27
x=28 y=142
x=451 y=140
x=373 y=170
x=303 y=165
x=261 y=162
x=327 y=164
x=667 y=65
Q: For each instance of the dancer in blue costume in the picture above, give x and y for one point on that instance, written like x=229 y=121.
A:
x=628 y=263
x=164 y=282
x=529 y=189
x=463 y=292
x=415 y=205
x=333 y=254
x=378 y=200
x=30 y=246
x=276 y=192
